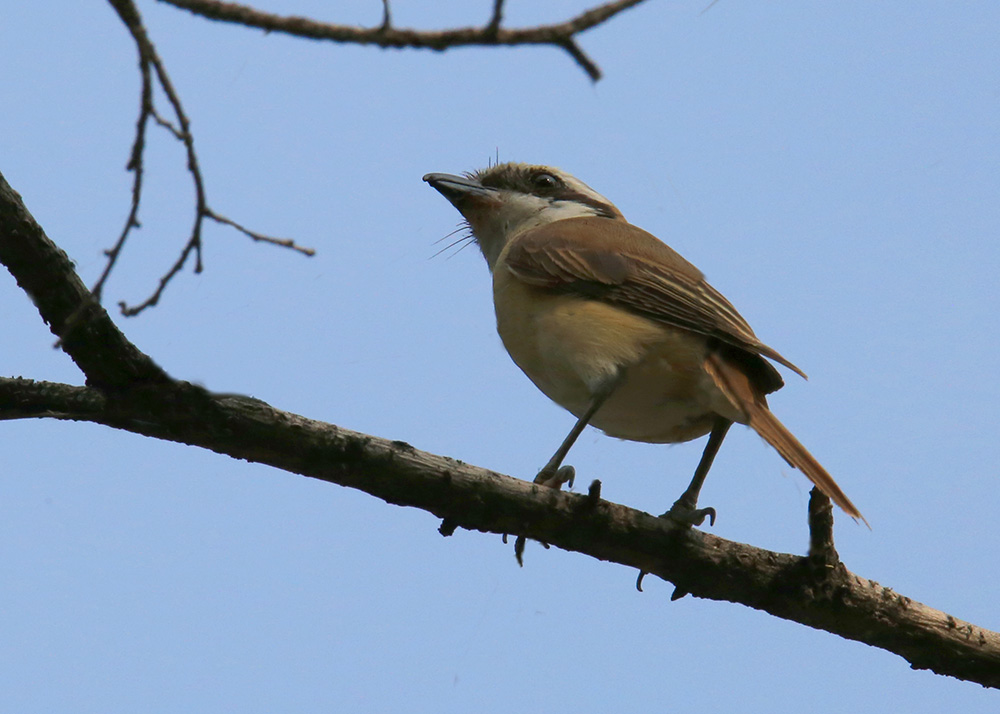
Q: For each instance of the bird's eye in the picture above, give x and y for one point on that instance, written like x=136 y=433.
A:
x=544 y=181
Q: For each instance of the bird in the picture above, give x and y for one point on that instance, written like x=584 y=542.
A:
x=617 y=328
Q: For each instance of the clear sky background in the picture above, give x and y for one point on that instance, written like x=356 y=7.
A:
x=834 y=169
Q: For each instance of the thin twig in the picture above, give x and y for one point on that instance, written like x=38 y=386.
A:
x=282 y=242
x=150 y=66
x=135 y=162
x=559 y=35
x=385 y=35
x=133 y=310
x=581 y=58
x=166 y=123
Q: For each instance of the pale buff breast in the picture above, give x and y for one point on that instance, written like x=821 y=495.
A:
x=569 y=347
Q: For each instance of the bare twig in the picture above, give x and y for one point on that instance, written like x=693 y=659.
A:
x=260 y=237
x=152 y=70
x=126 y=11
x=166 y=123
x=561 y=35
x=151 y=67
x=569 y=44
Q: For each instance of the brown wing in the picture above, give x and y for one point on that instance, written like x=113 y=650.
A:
x=613 y=261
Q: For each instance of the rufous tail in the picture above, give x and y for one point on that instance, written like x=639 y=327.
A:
x=738 y=388
x=774 y=433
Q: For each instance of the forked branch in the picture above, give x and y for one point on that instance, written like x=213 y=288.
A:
x=153 y=73
x=562 y=34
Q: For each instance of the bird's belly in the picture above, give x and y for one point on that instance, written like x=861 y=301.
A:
x=571 y=348
x=664 y=398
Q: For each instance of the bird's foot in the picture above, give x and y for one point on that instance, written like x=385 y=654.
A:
x=687 y=514
x=552 y=477
x=555 y=478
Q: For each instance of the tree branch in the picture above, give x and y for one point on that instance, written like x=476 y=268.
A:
x=561 y=35
x=152 y=70
x=129 y=392
x=150 y=66
x=787 y=586
x=83 y=327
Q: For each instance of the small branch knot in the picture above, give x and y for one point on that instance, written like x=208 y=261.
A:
x=821 y=549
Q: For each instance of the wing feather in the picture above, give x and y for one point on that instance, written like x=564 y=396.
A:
x=616 y=262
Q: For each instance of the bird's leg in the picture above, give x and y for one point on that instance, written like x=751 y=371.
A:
x=685 y=509
x=553 y=473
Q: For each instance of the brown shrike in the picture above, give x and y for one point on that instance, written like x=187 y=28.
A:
x=613 y=325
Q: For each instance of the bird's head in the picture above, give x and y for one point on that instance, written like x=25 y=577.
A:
x=504 y=200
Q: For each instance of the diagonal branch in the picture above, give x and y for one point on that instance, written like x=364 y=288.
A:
x=129 y=392
x=85 y=331
x=786 y=586
x=561 y=35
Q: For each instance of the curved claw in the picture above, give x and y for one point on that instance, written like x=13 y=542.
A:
x=519 y=549
x=564 y=474
x=686 y=516
x=702 y=512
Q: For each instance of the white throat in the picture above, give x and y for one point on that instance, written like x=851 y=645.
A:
x=518 y=213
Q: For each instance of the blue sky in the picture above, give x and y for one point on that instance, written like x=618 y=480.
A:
x=834 y=170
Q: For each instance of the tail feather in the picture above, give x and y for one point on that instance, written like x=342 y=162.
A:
x=750 y=402
x=791 y=449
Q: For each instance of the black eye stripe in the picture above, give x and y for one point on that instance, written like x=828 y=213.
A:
x=525 y=180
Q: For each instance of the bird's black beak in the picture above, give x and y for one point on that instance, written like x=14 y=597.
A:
x=460 y=191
